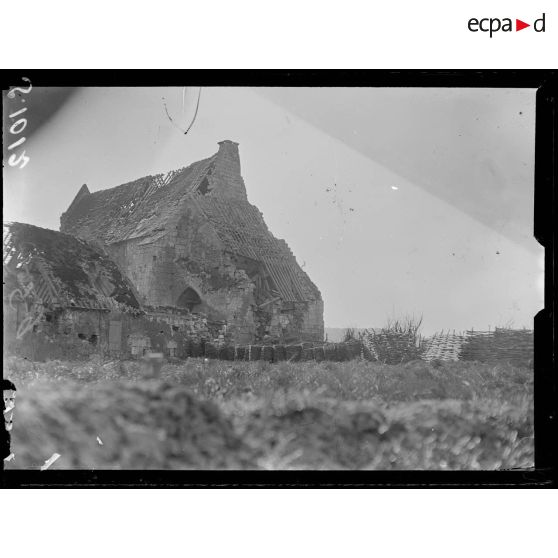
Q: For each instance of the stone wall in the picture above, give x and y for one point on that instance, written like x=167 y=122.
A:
x=197 y=235
x=75 y=334
x=61 y=335
x=190 y=257
x=225 y=290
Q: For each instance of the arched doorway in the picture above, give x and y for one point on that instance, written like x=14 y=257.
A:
x=189 y=299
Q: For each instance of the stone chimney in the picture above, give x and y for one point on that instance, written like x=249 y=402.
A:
x=226 y=178
x=229 y=150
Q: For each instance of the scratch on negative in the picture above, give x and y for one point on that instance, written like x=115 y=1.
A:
x=50 y=461
x=193 y=118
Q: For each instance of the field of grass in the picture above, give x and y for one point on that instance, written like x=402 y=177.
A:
x=215 y=414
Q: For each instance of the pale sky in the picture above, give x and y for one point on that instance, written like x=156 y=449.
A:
x=395 y=201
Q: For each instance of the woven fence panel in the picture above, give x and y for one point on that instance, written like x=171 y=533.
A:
x=319 y=354
x=391 y=347
x=515 y=346
x=330 y=352
x=307 y=354
x=226 y=352
x=442 y=346
x=267 y=353
x=336 y=352
x=211 y=351
x=500 y=345
x=279 y=353
x=477 y=346
x=354 y=350
x=254 y=352
x=343 y=353
x=293 y=353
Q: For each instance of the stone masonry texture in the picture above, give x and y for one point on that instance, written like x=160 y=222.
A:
x=171 y=260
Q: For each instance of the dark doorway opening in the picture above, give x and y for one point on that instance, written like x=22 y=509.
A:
x=189 y=299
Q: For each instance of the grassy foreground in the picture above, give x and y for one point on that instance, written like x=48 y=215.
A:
x=252 y=415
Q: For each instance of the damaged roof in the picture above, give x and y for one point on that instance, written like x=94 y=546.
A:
x=151 y=207
x=241 y=228
x=65 y=271
x=138 y=209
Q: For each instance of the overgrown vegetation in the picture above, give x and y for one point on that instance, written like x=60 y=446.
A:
x=327 y=415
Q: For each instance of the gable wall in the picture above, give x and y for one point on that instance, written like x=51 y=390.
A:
x=186 y=248
x=191 y=255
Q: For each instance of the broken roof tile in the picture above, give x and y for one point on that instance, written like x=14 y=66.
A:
x=214 y=187
x=66 y=271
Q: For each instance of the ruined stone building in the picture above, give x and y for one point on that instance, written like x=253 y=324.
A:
x=189 y=243
x=64 y=299
x=57 y=291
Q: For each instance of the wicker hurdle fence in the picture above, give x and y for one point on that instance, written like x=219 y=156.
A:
x=501 y=344
x=299 y=352
x=498 y=345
